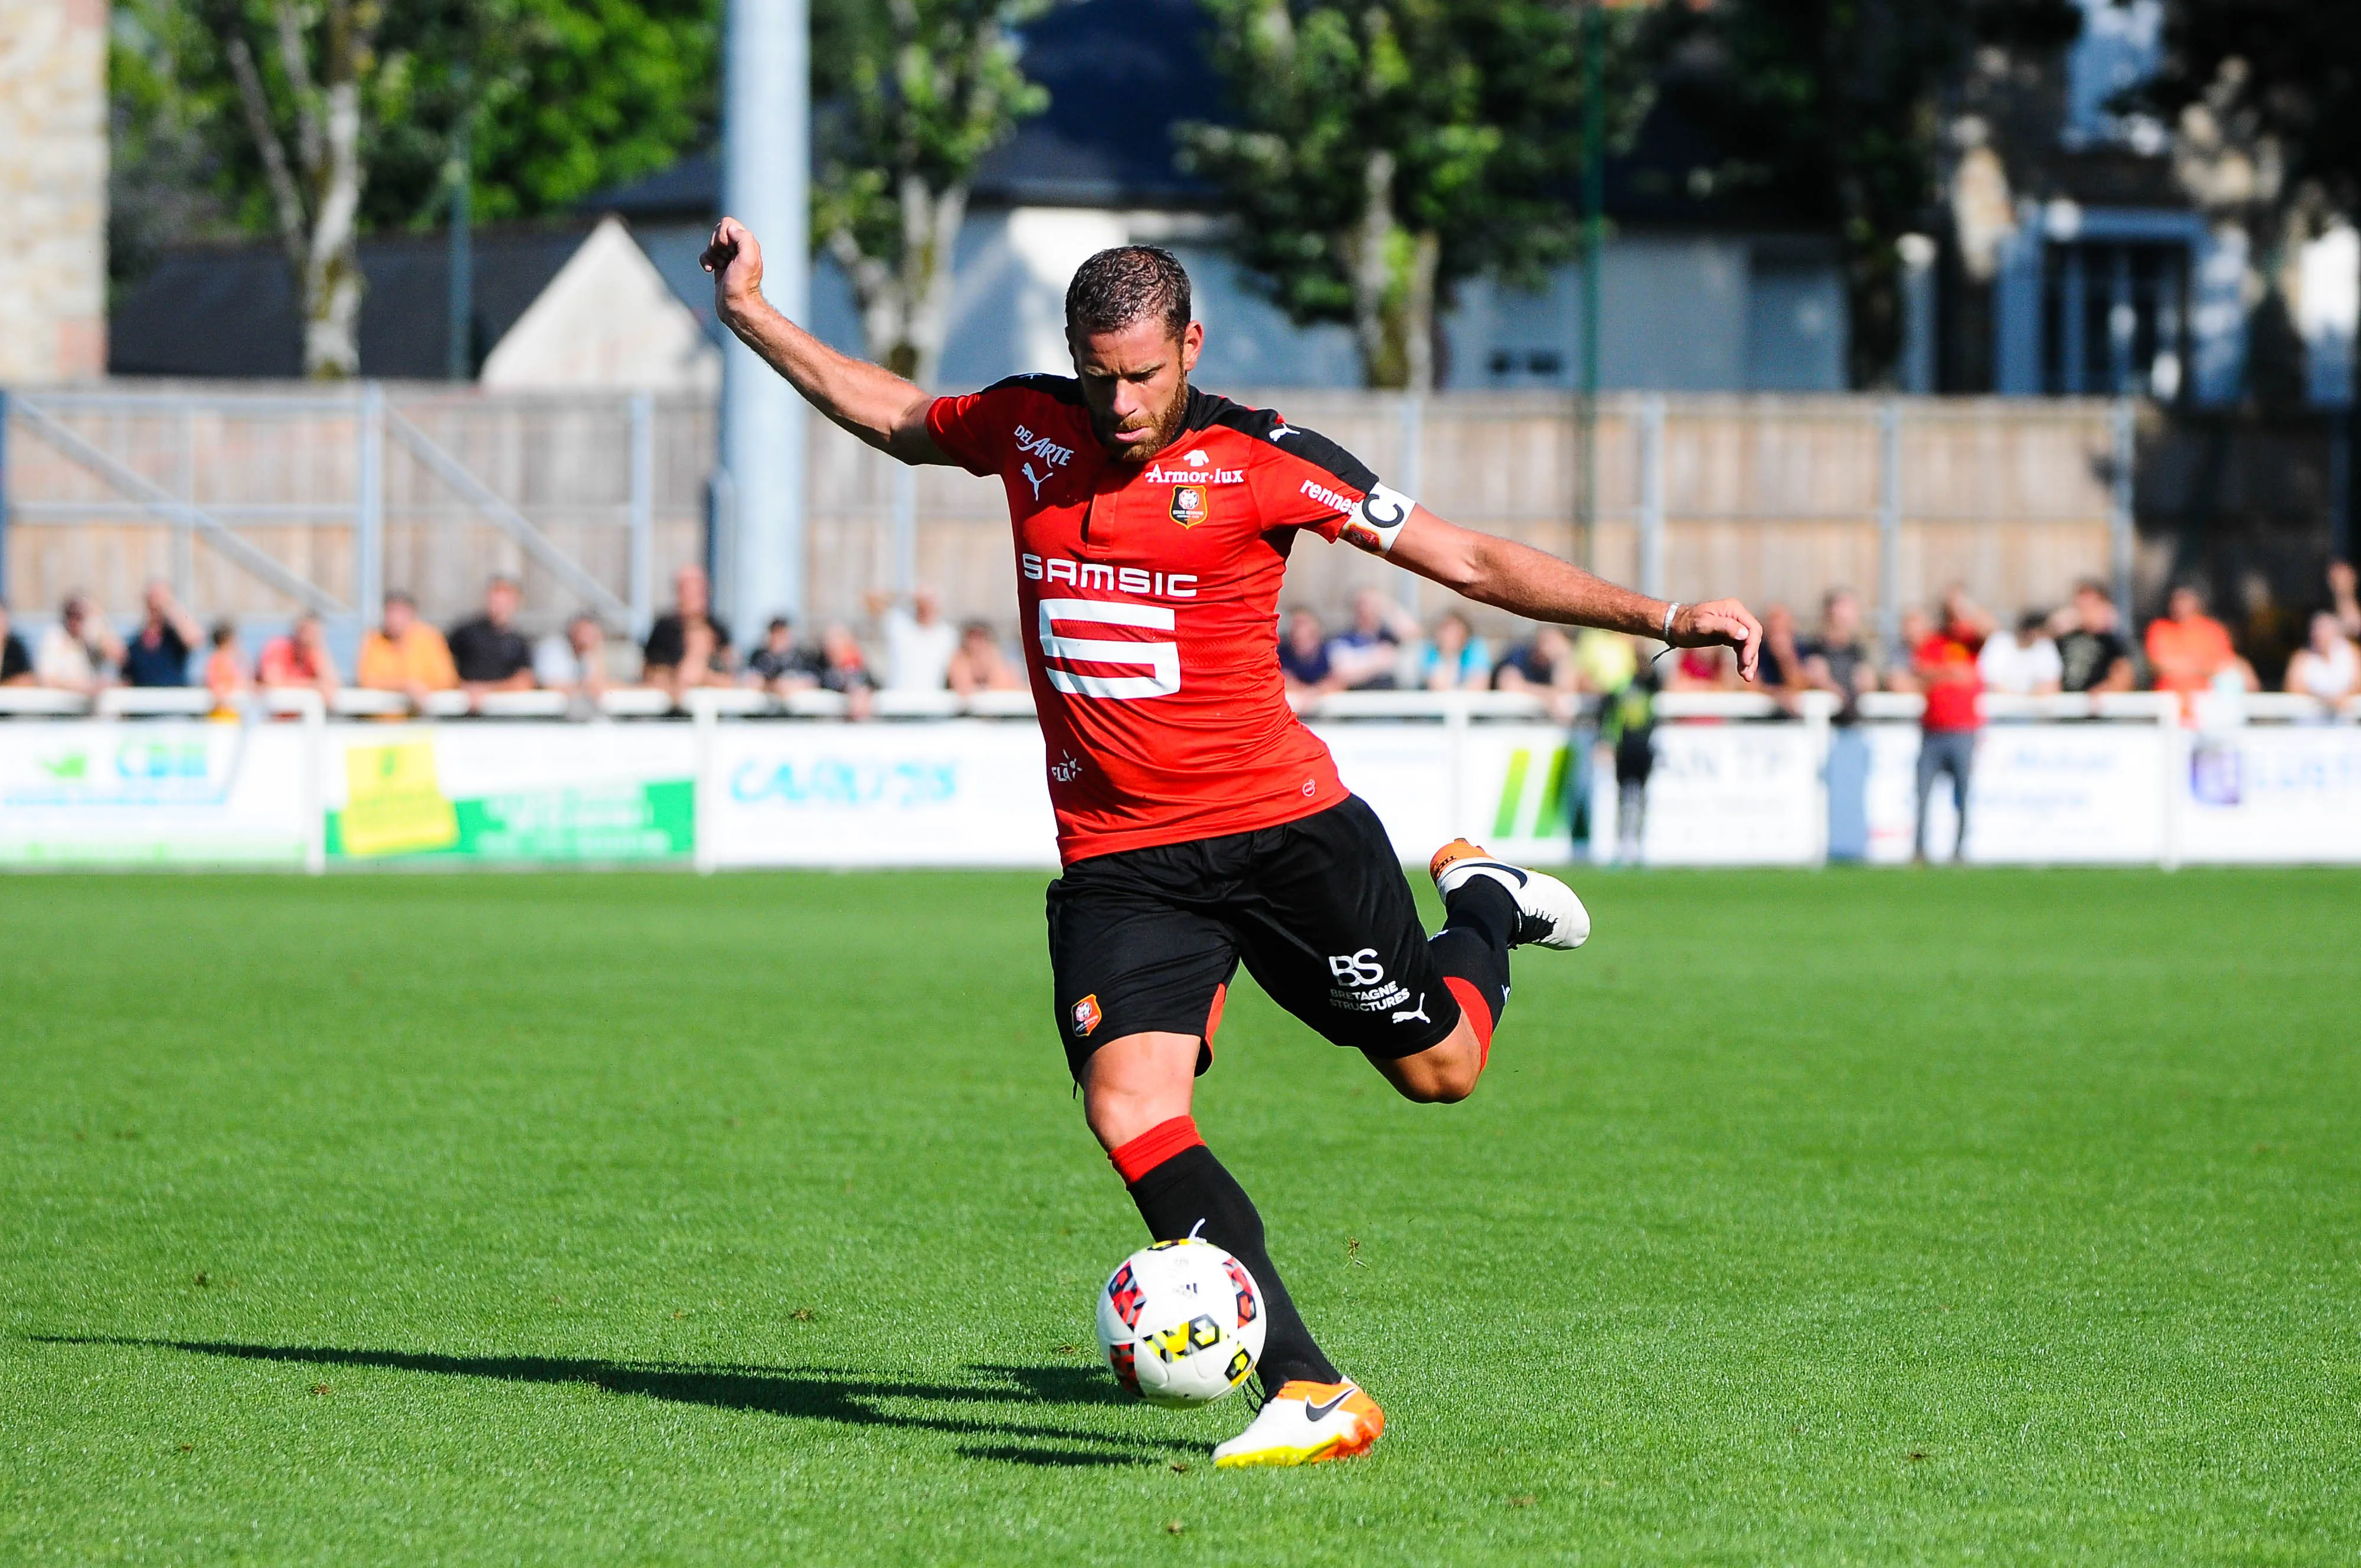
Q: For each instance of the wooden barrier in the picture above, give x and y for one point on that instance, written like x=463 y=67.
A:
x=1770 y=498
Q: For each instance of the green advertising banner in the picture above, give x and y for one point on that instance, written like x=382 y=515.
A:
x=498 y=792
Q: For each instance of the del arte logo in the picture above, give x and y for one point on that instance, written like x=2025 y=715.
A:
x=1041 y=446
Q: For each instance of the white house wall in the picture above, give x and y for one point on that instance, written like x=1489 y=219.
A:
x=1678 y=314
x=608 y=319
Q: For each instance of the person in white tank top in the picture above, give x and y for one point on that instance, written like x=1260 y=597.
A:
x=2330 y=666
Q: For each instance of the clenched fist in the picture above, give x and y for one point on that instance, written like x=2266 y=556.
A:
x=735 y=259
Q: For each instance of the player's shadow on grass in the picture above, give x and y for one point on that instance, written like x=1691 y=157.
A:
x=806 y=1393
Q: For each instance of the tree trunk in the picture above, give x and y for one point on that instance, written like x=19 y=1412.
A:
x=332 y=277
x=1368 y=252
x=1394 y=275
x=1417 y=322
x=873 y=290
x=905 y=304
x=318 y=216
x=930 y=227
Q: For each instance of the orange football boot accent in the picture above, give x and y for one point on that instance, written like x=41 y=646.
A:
x=1302 y=1410
x=1451 y=853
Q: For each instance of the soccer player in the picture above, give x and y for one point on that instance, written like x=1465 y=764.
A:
x=1199 y=823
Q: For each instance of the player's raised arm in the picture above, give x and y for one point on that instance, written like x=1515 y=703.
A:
x=1539 y=587
x=867 y=399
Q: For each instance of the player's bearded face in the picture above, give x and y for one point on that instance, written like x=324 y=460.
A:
x=1135 y=383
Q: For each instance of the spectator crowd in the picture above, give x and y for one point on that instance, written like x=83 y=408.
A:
x=1951 y=656
x=688 y=646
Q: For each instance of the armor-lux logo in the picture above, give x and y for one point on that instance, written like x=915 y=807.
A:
x=1198 y=472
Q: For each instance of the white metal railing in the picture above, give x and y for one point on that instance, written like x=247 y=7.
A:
x=2208 y=710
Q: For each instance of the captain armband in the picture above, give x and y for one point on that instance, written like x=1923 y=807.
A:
x=1376 y=521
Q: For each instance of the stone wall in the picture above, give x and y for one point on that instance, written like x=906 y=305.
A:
x=52 y=190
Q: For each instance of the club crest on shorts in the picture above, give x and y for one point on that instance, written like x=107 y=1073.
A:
x=1191 y=505
x=1086 y=1015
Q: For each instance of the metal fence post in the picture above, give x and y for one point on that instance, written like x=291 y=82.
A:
x=1413 y=446
x=905 y=528
x=642 y=539
x=4 y=495
x=184 y=527
x=2122 y=538
x=314 y=712
x=704 y=720
x=369 y=511
x=1652 y=496
x=1889 y=523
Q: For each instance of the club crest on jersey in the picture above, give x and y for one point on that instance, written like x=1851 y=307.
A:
x=1191 y=505
x=1087 y=1015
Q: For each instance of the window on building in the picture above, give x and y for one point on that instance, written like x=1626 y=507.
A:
x=2116 y=319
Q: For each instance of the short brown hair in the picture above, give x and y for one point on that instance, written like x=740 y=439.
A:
x=1117 y=288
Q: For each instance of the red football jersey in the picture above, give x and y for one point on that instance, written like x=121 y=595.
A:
x=1149 y=605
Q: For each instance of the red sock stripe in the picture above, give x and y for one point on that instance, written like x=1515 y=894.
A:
x=1159 y=1144
x=1472 y=1002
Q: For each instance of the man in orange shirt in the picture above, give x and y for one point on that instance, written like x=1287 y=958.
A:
x=405 y=654
x=2190 y=650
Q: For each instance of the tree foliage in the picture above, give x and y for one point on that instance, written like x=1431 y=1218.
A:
x=2265 y=100
x=1829 y=111
x=2291 y=67
x=916 y=92
x=561 y=96
x=1375 y=155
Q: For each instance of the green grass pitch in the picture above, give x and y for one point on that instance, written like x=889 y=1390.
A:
x=1846 y=1217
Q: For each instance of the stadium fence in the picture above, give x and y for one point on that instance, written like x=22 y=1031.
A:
x=287 y=781
x=257 y=502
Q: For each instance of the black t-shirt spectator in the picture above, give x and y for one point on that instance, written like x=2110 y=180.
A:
x=847 y=678
x=14 y=660
x=1844 y=659
x=668 y=640
x=1849 y=666
x=483 y=653
x=2085 y=657
x=769 y=663
x=1526 y=658
x=1305 y=669
x=164 y=662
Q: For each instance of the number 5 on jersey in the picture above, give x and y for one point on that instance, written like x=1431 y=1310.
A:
x=1161 y=659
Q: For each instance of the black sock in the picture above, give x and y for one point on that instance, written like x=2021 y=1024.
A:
x=1190 y=1194
x=1472 y=952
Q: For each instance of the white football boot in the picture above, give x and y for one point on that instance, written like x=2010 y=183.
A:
x=1550 y=916
x=1306 y=1423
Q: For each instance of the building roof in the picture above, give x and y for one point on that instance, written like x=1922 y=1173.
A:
x=1122 y=75
x=234 y=310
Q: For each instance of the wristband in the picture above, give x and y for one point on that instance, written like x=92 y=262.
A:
x=1670 y=610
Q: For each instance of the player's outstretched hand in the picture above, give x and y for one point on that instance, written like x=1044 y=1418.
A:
x=1720 y=623
x=735 y=259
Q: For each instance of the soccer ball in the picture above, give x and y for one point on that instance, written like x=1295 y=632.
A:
x=1181 y=1323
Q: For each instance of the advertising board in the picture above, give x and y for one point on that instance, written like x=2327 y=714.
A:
x=171 y=792
x=2277 y=793
x=2039 y=794
x=958 y=793
x=488 y=790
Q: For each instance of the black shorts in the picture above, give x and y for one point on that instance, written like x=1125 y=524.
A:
x=1318 y=908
